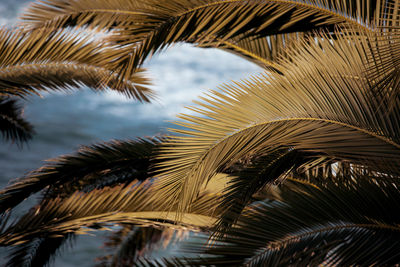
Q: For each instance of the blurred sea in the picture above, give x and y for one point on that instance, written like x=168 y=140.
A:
x=63 y=122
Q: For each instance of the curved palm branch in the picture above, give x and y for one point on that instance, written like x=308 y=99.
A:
x=92 y=167
x=321 y=104
x=143 y=27
x=134 y=203
x=44 y=60
x=332 y=224
x=12 y=125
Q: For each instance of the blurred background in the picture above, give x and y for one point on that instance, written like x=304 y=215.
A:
x=63 y=122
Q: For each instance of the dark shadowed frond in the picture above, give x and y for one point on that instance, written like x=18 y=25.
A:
x=38 y=252
x=333 y=224
x=91 y=167
x=130 y=243
x=256 y=180
x=142 y=28
x=44 y=60
x=263 y=51
x=12 y=125
x=322 y=104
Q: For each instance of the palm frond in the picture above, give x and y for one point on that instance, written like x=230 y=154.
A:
x=23 y=80
x=143 y=28
x=332 y=224
x=322 y=105
x=130 y=243
x=263 y=51
x=12 y=125
x=92 y=167
x=37 y=252
x=45 y=60
x=135 y=203
x=123 y=13
x=257 y=180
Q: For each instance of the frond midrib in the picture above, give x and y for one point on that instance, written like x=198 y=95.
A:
x=252 y=55
x=370 y=133
x=136 y=217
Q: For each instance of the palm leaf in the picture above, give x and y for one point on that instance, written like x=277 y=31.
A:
x=44 y=60
x=322 y=104
x=93 y=166
x=38 y=252
x=132 y=203
x=256 y=180
x=263 y=51
x=12 y=125
x=143 y=28
x=130 y=243
x=349 y=224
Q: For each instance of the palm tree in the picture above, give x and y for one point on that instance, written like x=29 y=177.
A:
x=322 y=124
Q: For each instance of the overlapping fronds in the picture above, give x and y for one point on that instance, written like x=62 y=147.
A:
x=322 y=104
x=134 y=203
x=333 y=224
x=141 y=28
x=12 y=125
x=92 y=166
x=255 y=181
x=45 y=60
x=125 y=13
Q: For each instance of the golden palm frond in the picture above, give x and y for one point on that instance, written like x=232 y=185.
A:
x=142 y=28
x=322 y=104
x=123 y=13
x=134 y=203
x=44 y=60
